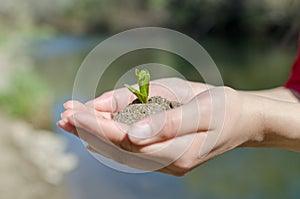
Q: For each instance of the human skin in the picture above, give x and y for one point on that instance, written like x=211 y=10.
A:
x=175 y=141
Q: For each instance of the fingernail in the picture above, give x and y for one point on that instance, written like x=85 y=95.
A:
x=138 y=132
x=58 y=123
x=65 y=120
x=62 y=122
x=65 y=104
x=68 y=113
x=68 y=104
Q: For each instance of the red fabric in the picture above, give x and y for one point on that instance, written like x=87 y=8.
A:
x=294 y=80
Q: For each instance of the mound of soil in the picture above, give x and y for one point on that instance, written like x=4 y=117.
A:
x=137 y=111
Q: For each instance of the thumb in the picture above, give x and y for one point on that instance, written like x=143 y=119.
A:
x=189 y=118
x=112 y=101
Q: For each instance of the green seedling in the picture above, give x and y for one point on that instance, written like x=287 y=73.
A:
x=143 y=81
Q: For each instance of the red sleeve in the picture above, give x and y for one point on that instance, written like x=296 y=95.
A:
x=294 y=79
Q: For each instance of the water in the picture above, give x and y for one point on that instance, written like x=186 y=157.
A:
x=243 y=173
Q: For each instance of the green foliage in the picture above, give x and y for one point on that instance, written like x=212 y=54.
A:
x=2 y=39
x=143 y=81
x=26 y=95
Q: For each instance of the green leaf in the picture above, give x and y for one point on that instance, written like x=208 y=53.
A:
x=138 y=94
x=143 y=82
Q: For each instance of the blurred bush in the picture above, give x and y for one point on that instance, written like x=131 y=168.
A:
x=29 y=97
x=234 y=18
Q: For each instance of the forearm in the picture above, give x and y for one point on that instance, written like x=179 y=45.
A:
x=280 y=122
x=282 y=125
x=279 y=93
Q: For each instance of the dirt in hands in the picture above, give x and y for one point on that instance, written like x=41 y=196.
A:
x=137 y=111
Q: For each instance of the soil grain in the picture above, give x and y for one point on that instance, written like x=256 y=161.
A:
x=137 y=111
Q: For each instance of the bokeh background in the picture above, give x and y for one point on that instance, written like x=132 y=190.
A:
x=42 y=44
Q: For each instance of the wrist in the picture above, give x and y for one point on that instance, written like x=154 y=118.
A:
x=282 y=125
x=279 y=93
x=253 y=120
x=279 y=125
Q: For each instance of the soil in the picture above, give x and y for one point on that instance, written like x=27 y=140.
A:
x=137 y=111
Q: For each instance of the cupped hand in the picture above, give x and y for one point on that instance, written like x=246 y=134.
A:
x=174 y=141
x=113 y=101
x=174 y=89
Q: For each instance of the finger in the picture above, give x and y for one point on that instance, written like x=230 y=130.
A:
x=78 y=106
x=72 y=104
x=173 y=89
x=171 y=150
x=189 y=118
x=105 y=115
x=67 y=113
x=107 y=131
x=67 y=126
x=181 y=154
x=70 y=112
x=130 y=159
x=152 y=157
x=98 y=145
x=91 y=149
x=112 y=101
x=170 y=172
x=166 y=170
x=107 y=150
x=103 y=128
x=200 y=87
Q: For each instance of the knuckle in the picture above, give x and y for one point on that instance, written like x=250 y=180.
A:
x=226 y=89
x=114 y=104
x=106 y=94
x=229 y=91
x=169 y=79
x=170 y=128
x=175 y=79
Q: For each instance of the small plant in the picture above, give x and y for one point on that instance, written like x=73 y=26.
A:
x=143 y=82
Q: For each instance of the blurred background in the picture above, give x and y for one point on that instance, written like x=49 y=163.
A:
x=42 y=44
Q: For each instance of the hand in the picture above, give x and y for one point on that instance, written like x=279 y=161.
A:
x=177 y=145
x=171 y=88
